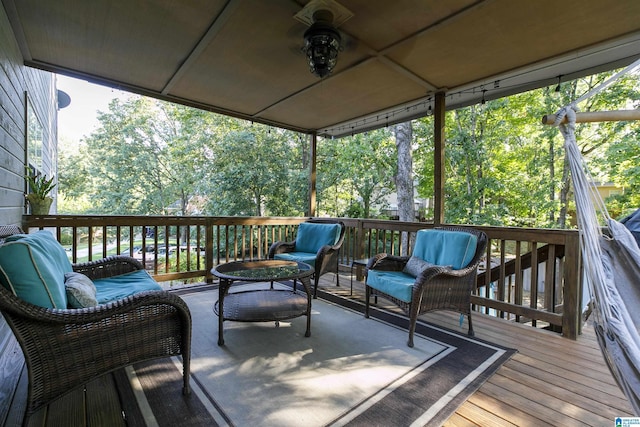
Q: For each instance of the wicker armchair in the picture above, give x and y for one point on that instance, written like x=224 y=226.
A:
x=66 y=348
x=437 y=287
x=318 y=246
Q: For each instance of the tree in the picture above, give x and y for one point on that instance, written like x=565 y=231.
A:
x=355 y=173
x=153 y=157
x=404 y=173
x=504 y=168
x=251 y=171
x=404 y=177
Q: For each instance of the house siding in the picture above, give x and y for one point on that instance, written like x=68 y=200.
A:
x=16 y=81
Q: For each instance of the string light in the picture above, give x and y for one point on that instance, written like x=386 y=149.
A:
x=497 y=84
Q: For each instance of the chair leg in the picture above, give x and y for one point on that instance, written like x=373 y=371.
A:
x=367 y=295
x=316 y=278
x=186 y=387
x=412 y=328
x=470 y=333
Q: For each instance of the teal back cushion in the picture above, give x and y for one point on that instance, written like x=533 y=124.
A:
x=32 y=266
x=445 y=247
x=312 y=236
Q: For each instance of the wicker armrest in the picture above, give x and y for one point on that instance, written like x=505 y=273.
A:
x=108 y=267
x=80 y=316
x=281 y=247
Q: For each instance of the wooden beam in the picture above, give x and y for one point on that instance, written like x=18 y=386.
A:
x=597 y=116
x=312 y=174
x=203 y=43
x=438 y=158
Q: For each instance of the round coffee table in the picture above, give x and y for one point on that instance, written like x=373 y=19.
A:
x=262 y=305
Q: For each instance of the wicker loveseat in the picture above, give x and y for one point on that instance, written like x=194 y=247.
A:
x=440 y=274
x=67 y=347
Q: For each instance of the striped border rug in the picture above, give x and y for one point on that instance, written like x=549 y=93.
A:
x=351 y=371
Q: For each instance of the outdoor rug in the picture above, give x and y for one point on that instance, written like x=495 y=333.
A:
x=350 y=371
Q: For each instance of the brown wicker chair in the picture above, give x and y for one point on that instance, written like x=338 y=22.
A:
x=324 y=258
x=64 y=349
x=435 y=288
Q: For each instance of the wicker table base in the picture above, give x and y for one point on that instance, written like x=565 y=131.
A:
x=262 y=305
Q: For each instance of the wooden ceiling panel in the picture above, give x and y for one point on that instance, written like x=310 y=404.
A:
x=251 y=59
x=140 y=42
x=367 y=87
x=265 y=60
x=493 y=38
x=243 y=57
x=382 y=23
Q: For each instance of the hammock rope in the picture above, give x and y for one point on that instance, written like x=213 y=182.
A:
x=611 y=262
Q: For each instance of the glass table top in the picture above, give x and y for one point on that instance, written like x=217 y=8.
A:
x=262 y=270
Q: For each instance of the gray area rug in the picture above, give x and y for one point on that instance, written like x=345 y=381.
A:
x=350 y=371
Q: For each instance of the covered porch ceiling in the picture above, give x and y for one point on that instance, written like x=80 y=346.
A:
x=243 y=57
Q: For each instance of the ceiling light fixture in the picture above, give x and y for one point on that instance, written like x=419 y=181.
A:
x=322 y=42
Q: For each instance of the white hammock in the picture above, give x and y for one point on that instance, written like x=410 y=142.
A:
x=612 y=264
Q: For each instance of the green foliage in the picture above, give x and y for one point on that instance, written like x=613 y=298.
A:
x=355 y=169
x=502 y=166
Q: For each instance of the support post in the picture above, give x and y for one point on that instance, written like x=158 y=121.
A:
x=312 y=175
x=438 y=158
x=571 y=311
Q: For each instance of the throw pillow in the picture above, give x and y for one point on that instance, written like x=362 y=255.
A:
x=32 y=267
x=415 y=266
x=81 y=292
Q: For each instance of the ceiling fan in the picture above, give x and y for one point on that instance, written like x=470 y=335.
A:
x=322 y=40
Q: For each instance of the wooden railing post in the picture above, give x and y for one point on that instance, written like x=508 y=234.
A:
x=572 y=285
x=358 y=250
x=208 y=251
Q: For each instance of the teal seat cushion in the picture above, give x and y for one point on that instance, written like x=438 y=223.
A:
x=305 y=257
x=32 y=267
x=118 y=287
x=312 y=236
x=445 y=247
x=394 y=283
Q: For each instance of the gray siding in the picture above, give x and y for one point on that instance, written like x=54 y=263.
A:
x=15 y=81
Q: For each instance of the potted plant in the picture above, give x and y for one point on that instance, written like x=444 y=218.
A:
x=39 y=189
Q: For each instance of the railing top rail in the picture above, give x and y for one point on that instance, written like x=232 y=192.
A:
x=151 y=220
x=555 y=236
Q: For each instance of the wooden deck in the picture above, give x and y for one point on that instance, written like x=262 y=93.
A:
x=550 y=381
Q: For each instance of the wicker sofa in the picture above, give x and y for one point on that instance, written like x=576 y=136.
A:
x=440 y=274
x=67 y=347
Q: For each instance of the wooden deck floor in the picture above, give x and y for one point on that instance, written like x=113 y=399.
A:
x=550 y=381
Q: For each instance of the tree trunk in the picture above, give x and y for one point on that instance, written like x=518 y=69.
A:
x=404 y=177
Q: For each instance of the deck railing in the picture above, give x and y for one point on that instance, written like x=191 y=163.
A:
x=185 y=249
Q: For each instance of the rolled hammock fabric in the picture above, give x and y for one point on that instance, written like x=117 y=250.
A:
x=612 y=264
